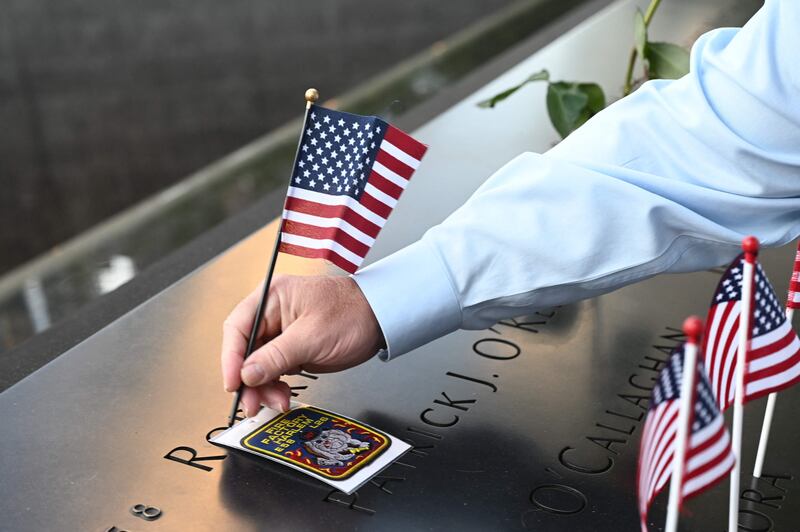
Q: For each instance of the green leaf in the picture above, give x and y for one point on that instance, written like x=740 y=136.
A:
x=639 y=33
x=542 y=75
x=571 y=104
x=499 y=97
x=597 y=98
x=667 y=60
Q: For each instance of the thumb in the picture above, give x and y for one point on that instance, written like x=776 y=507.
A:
x=284 y=353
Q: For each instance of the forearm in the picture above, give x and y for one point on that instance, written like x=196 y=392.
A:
x=668 y=179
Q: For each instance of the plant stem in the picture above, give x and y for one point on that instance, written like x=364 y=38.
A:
x=651 y=10
x=629 y=74
x=648 y=16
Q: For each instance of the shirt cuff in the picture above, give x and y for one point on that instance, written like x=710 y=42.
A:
x=412 y=296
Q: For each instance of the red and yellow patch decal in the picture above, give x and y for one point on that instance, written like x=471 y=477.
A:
x=325 y=443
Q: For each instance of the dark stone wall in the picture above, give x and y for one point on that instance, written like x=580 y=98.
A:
x=103 y=102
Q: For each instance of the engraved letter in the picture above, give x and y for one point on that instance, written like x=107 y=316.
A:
x=418 y=449
x=524 y=325
x=632 y=382
x=337 y=497
x=454 y=404
x=382 y=480
x=775 y=479
x=193 y=458
x=506 y=350
x=635 y=399
x=656 y=366
x=555 y=499
x=766 y=521
x=757 y=497
x=609 y=442
x=666 y=349
x=421 y=432
x=562 y=458
x=210 y=433
x=472 y=379
x=637 y=418
x=424 y=417
x=616 y=429
x=297 y=389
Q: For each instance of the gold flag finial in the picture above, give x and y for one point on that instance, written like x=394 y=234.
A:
x=312 y=95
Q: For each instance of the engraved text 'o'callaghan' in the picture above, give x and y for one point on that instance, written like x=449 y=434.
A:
x=597 y=452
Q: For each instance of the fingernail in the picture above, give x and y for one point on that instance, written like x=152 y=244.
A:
x=284 y=409
x=252 y=375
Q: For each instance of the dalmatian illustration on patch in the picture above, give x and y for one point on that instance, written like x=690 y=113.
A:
x=319 y=441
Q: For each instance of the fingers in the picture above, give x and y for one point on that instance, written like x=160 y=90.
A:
x=234 y=344
x=235 y=335
x=279 y=356
x=251 y=402
x=275 y=395
x=235 y=331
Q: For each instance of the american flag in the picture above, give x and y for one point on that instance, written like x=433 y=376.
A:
x=773 y=359
x=793 y=301
x=348 y=176
x=709 y=457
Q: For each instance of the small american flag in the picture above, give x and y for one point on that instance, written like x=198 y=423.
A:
x=349 y=174
x=773 y=358
x=708 y=453
x=793 y=301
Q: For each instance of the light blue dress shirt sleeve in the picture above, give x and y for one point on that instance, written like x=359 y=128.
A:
x=669 y=179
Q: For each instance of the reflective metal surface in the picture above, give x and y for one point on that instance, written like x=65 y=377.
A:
x=534 y=424
x=530 y=425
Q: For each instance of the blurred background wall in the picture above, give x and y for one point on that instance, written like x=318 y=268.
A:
x=104 y=102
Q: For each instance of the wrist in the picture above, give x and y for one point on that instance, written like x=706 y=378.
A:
x=375 y=338
x=411 y=295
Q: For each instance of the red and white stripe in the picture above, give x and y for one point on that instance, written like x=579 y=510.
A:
x=708 y=457
x=773 y=359
x=793 y=301
x=719 y=345
x=339 y=228
x=655 y=454
x=773 y=362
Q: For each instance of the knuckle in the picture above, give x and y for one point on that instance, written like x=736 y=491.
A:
x=279 y=282
x=277 y=357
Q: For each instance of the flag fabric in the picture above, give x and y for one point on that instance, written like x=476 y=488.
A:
x=348 y=176
x=773 y=359
x=721 y=340
x=793 y=301
x=709 y=457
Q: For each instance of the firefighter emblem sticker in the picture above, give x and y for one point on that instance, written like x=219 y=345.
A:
x=324 y=443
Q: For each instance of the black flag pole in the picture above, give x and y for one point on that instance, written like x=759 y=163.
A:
x=312 y=95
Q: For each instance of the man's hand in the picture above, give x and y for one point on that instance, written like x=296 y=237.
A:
x=319 y=324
